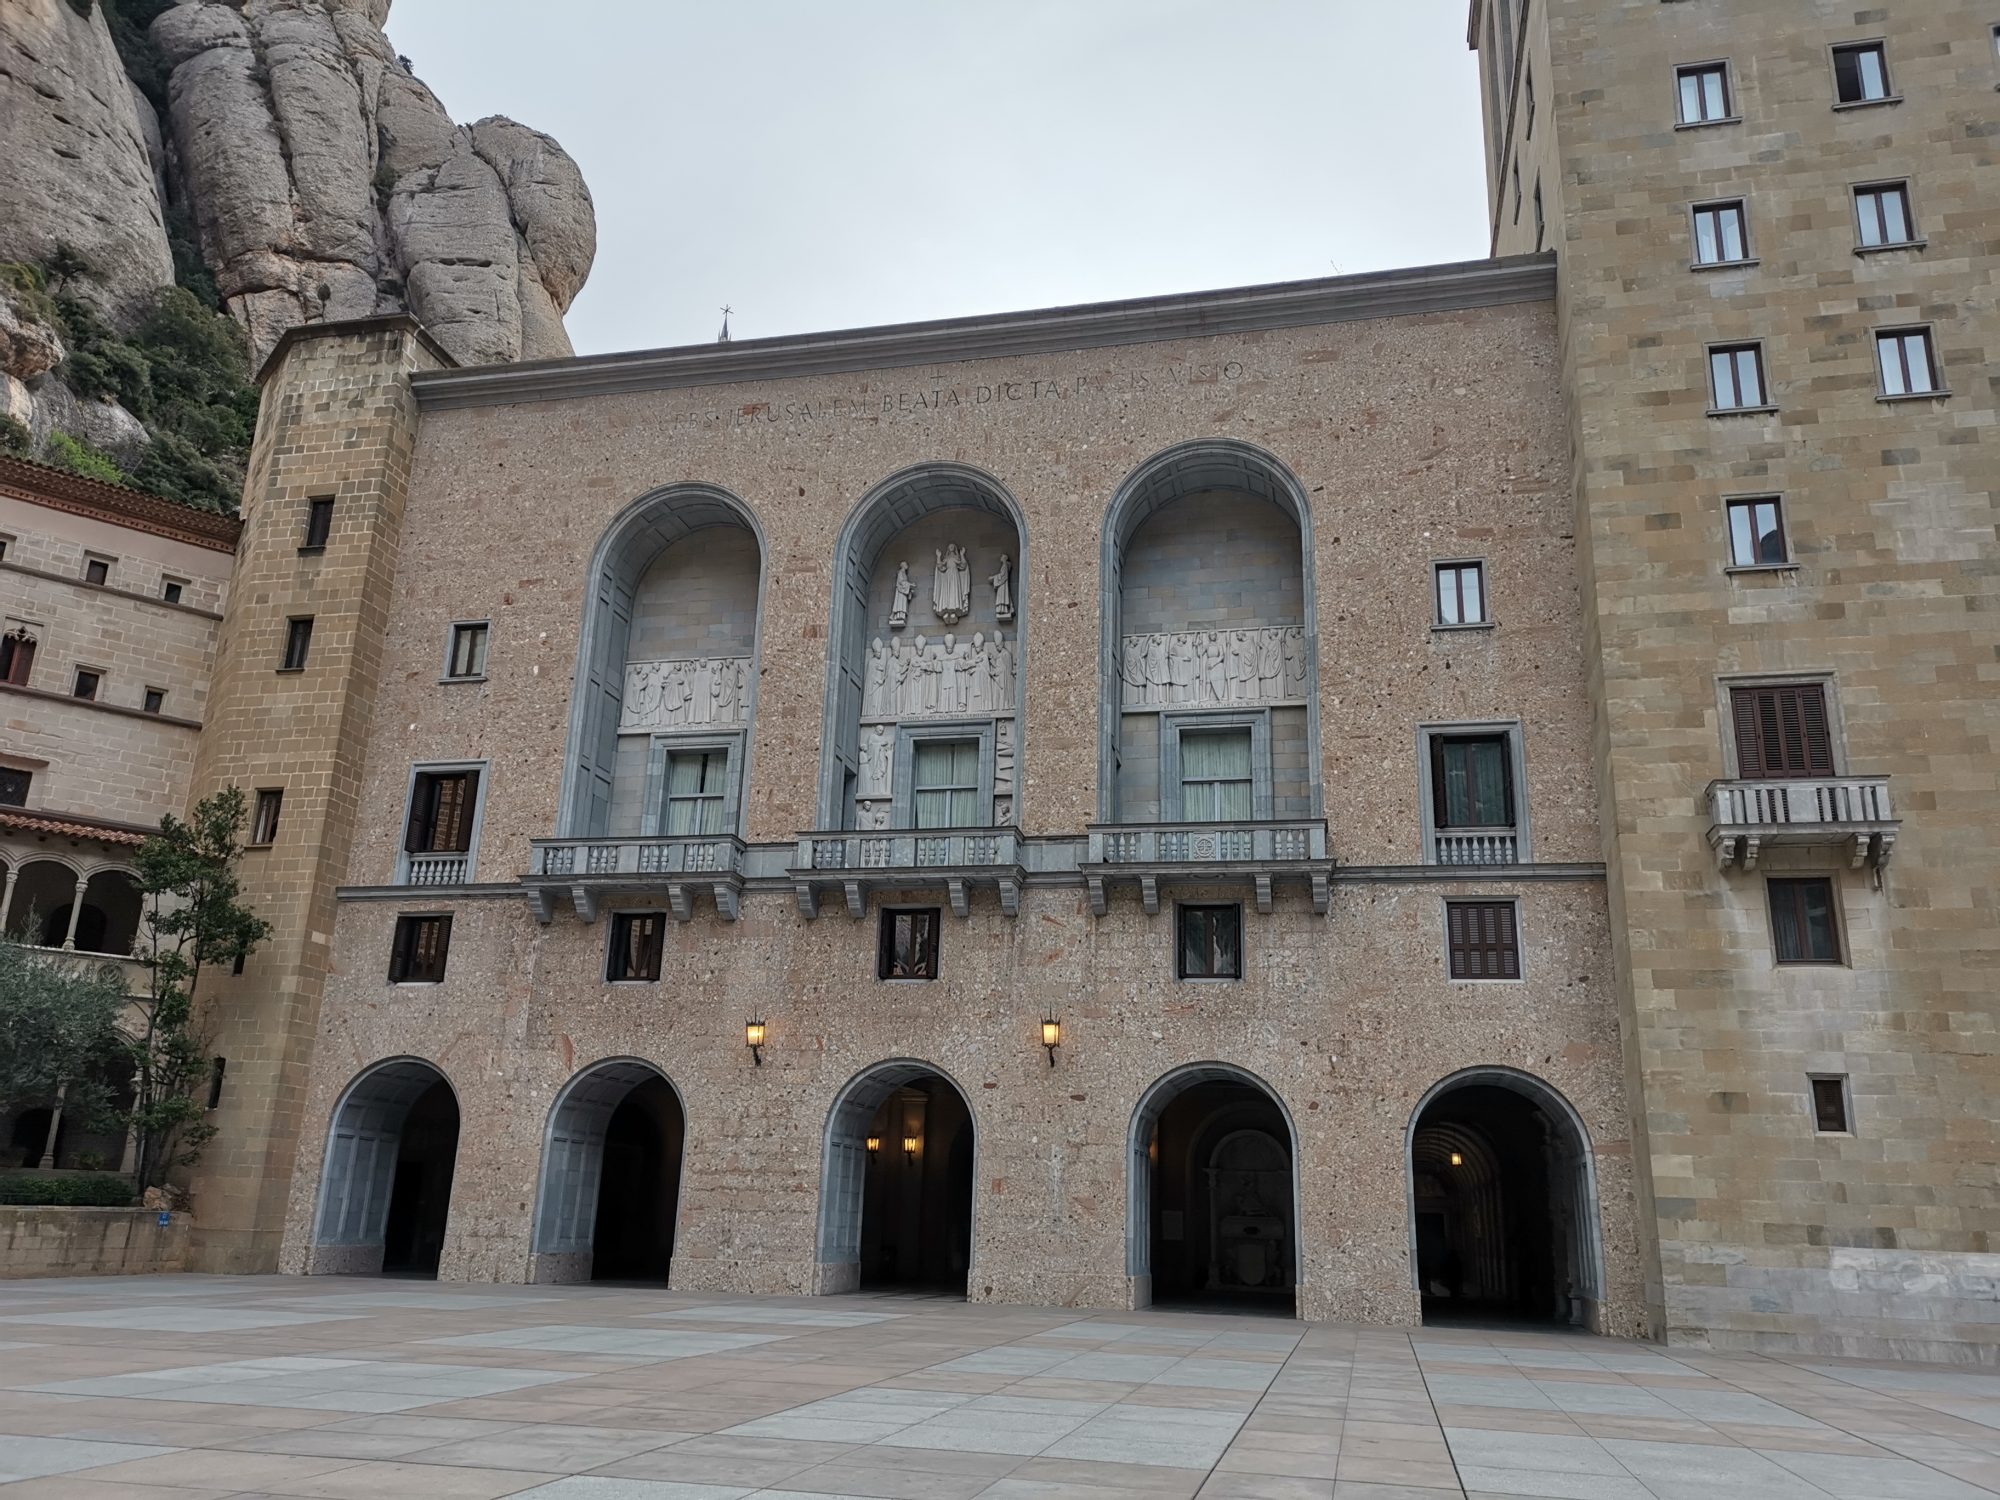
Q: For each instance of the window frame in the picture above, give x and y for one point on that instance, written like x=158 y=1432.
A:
x=1182 y=910
x=18 y=672
x=97 y=560
x=27 y=776
x=1173 y=725
x=1735 y=347
x=401 y=950
x=1517 y=772
x=451 y=638
x=653 y=820
x=1714 y=205
x=319 y=509
x=1730 y=503
x=1916 y=240
x=902 y=775
x=96 y=675
x=1725 y=685
x=1844 y=1084
x=274 y=798
x=443 y=768
x=1512 y=904
x=656 y=949
x=1837 y=921
x=1541 y=216
x=153 y=700
x=1936 y=371
x=1878 y=45
x=294 y=638
x=1730 y=113
x=173 y=590
x=933 y=917
x=1438 y=569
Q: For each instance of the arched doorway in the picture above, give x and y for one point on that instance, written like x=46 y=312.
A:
x=44 y=893
x=896 y=1194
x=1214 y=1193
x=1503 y=1203
x=611 y=1177
x=385 y=1190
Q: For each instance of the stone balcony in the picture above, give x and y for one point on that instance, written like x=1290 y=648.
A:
x=593 y=871
x=956 y=859
x=1152 y=855
x=436 y=869
x=1475 y=846
x=1819 y=811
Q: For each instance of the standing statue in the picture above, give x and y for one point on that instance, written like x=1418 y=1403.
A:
x=1214 y=669
x=875 y=684
x=951 y=684
x=1270 y=667
x=1158 y=675
x=1132 y=671
x=1183 y=667
x=951 y=584
x=930 y=668
x=1003 y=590
x=899 y=612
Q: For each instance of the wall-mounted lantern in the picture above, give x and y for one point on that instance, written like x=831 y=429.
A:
x=874 y=1145
x=1052 y=1036
x=910 y=1145
x=753 y=1035
x=1457 y=1160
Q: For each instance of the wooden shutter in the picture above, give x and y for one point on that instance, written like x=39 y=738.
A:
x=1481 y=939
x=456 y=830
x=399 y=953
x=423 y=814
x=1782 y=731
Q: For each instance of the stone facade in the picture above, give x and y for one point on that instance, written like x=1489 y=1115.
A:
x=1878 y=1240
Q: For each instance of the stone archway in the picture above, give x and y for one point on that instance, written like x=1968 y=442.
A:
x=1503 y=1203
x=609 y=1201
x=385 y=1187
x=895 y=1216
x=1213 y=1192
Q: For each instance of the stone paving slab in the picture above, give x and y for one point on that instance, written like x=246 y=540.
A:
x=162 y=1388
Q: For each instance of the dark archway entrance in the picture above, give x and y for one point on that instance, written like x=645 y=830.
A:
x=385 y=1191
x=1503 y=1204
x=1214 y=1218
x=896 y=1199
x=611 y=1177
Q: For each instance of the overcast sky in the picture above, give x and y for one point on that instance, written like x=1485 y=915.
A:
x=831 y=165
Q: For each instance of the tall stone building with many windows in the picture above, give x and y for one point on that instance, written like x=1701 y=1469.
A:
x=1374 y=796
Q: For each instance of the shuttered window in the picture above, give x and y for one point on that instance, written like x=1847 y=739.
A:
x=421 y=948
x=1781 y=731
x=441 y=807
x=1481 y=939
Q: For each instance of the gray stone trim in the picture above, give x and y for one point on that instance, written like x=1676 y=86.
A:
x=1402 y=293
x=669 y=743
x=903 y=778
x=1193 y=721
x=1517 y=769
x=445 y=767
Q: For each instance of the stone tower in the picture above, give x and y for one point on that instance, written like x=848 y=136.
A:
x=338 y=425
x=1776 y=248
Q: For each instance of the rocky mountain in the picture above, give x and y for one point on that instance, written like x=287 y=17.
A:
x=274 y=158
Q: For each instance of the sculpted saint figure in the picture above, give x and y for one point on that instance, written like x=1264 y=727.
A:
x=725 y=688
x=1214 y=670
x=1295 y=662
x=875 y=766
x=899 y=612
x=676 y=693
x=951 y=679
x=1270 y=668
x=1003 y=673
x=902 y=680
x=930 y=668
x=951 y=584
x=1183 y=669
x=1242 y=666
x=643 y=696
x=1003 y=590
x=875 y=684
x=977 y=663
x=1157 y=672
x=1132 y=669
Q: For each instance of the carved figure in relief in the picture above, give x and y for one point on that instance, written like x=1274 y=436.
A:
x=1270 y=665
x=875 y=681
x=951 y=675
x=951 y=584
x=1183 y=668
x=978 y=663
x=1157 y=672
x=876 y=770
x=1003 y=757
x=644 y=706
x=1003 y=590
x=1295 y=662
x=725 y=690
x=903 y=684
x=675 y=693
x=1242 y=665
x=869 y=816
x=1132 y=669
x=1003 y=812
x=1004 y=691
x=930 y=676
x=899 y=612
x=1214 y=670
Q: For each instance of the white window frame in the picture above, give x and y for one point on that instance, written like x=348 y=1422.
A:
x=1714 y=205
x=451 y=650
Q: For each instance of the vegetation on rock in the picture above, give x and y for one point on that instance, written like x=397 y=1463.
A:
x=65 y=452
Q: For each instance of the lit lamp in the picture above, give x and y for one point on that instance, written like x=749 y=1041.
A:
x=910 y=1144
x=1457 y=1160
x=874 y=1145
x=753 y=1034
x=1052 y=1036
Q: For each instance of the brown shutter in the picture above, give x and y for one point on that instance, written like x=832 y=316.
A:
x=1782 y=732
x=423 y=814
x=468 y=799
x=399 y=954
x=1482 y=940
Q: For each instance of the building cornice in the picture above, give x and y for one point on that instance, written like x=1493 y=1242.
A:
x=59 y=489
x=300 y=333
x=1338 y=299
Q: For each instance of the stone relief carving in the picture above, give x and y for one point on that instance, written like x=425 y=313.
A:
x=899 y=612
x=878 y=762
x=1003 y=590
x=1003 y=758
x=1263 y=664
x=951 y=677
x=951 y=584
x=685 y=693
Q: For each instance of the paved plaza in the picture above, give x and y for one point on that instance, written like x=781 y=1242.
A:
x=179 y=1388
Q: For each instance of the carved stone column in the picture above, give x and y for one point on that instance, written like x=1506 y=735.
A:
x=75 y=912
x=7 y=895
x=48 y=1160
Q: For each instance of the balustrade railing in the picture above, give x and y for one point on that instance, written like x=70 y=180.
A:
x=697 y=856
x=1475 y=846
x=437 y=869
x=909 y=849
x=1206 y=843
x=1819 y=810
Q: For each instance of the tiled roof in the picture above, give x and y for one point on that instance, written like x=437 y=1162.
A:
x=70 y=828
x=61 y=490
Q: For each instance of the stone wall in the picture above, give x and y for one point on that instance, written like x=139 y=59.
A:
x=91 y=1242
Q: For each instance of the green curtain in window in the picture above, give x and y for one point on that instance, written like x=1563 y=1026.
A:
x=945 y=777
x=1475 y=784
x=694 y=793
x=1215 y=777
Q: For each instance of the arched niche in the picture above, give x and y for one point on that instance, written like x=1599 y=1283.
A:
x=1503 y=1204
x=371 y=1149
x=937 y=695
x=620 y=1102
x=1208 y=658
x=666 y=678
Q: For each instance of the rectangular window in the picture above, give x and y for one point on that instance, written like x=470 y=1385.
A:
x=1481 y=940
x=945 y=783
x=1461 y=593
x=5 y=543
x=264 y=823
x=86 y=684
x=1831 y=1115
x=1908 y=363
x=421 y=948
x=468 y=651
x=1882 y=215
x=1860 y=73
x=1757 y=533
x=319 y=523
x=97 y=570
x=14 y=786
x=1782 y=732
x=156 y=700
x=1211 y=942
x=17 y=657
x=1472 y=781
x=1803 y=927
x=1720 y=234
x=637 y=940
x=298 y=643
x=1704 y=93
x=1217 y=784
x=697 y=791
x=442 y=804
x=170 y=590
x=215 y=1072
x=1736 y=377
x=908 y=946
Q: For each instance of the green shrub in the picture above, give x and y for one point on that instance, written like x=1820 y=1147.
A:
x=67 y=1189
x=28 y=289
x=15 y=438
x=65 y=452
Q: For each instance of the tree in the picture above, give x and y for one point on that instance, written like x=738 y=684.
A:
x=187 y=874
x=58 y=1022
